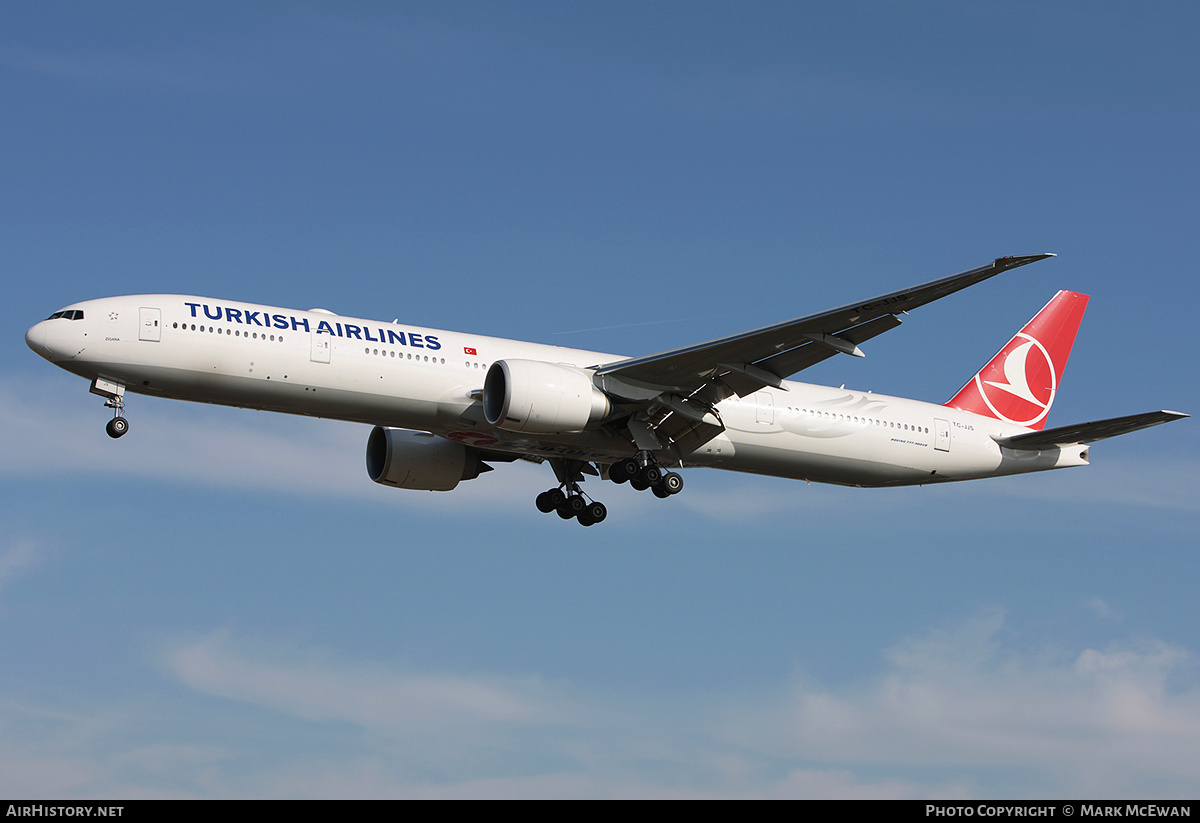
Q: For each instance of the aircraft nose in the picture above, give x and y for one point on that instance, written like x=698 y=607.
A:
x=35 y=338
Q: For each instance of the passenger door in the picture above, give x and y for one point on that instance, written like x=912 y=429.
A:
x=941 y=440
x=149 y=324
x=320 y=347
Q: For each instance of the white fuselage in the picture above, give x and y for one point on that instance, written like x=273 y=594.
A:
x=389 y=374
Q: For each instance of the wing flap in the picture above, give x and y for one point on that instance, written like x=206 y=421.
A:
x=1080 y=433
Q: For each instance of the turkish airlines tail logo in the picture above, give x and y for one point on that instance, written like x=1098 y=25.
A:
x=1018 y=384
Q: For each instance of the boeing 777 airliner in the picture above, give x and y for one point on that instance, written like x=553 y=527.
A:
x=444 y=405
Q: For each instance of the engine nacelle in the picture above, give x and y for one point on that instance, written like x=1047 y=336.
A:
x=419 y=460
x=539 y=397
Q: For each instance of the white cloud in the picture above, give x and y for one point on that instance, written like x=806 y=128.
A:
x=15 y=558
x=956 y=701
x=1103 y=721
x=316 y=687
x=28 y=775
x=1102 y=610
x=959 y=712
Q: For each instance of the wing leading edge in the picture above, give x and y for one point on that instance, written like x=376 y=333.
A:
x=744 y=363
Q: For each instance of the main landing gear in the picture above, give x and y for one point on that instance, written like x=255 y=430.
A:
x=646 y=476
x=570 y=502
x=641 y=472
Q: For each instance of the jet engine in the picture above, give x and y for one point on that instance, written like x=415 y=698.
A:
x=543 y=398
x=419 y=460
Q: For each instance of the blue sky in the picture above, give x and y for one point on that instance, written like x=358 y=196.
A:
x=222 y=605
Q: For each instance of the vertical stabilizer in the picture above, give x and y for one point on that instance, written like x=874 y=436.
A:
x=1018 y=384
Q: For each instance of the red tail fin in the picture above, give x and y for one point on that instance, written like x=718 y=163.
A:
x=1019 y=383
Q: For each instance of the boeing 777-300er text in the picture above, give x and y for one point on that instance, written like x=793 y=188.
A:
x=444 y=405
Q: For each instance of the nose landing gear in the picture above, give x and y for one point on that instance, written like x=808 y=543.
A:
x=114 y=398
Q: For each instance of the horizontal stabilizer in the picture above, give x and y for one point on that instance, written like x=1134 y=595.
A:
x=1088 y=432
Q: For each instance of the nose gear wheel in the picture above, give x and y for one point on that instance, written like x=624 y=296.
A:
x=117 y=427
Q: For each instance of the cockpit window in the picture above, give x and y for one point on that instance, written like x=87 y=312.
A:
x=69 y=314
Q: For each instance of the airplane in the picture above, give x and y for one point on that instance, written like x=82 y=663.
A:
x=446 y=405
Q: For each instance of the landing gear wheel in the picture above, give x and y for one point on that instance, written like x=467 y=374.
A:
x=660 y=491
x=624 y=470
x=595 y=512
x=117 y=427
x=592 y=514
x=651 y=475
x=568 y=501
x=550 y=500
x=638 y=485
x=672 y=482
x=571 y=507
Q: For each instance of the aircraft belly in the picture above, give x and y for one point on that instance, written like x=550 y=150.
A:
x=590 y=447
x=822 y=466
x=449 y=416
x=853 y=455
x=269 y=389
